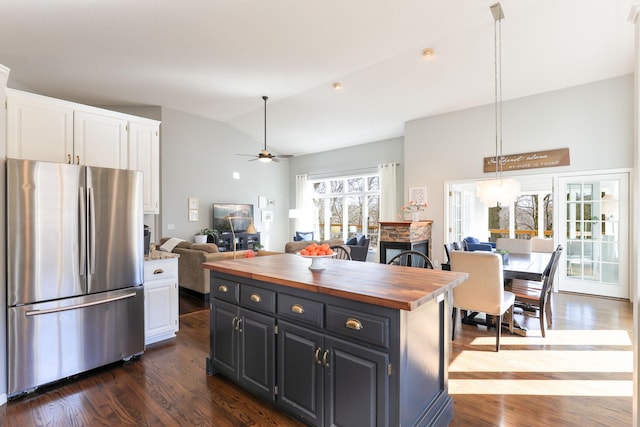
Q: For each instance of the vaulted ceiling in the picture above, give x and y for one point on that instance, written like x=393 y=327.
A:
x=217 y=58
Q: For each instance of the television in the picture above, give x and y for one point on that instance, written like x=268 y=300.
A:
x=240 y=215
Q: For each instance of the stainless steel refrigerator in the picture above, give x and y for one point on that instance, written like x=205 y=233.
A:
x=75 y=253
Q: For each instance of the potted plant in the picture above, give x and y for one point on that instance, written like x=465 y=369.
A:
x=200 y=236
x=505 y=255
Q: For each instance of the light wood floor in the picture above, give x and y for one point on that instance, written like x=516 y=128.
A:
x=580 y=374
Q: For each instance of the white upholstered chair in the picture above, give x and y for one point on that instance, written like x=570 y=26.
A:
x=484 y=290
x=517 y=246
x=538 y=244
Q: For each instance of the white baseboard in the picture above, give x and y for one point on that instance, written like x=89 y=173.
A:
x=3 y=398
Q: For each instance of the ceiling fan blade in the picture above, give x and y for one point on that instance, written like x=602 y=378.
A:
x=283 y=156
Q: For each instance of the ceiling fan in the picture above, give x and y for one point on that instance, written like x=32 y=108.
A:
x=264 y=155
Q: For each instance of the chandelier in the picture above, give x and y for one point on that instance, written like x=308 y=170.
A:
x=498 y=190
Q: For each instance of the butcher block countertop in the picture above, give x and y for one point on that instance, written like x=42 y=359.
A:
x=391 y=286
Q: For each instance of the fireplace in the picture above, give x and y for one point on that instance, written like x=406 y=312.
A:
x=399 y=236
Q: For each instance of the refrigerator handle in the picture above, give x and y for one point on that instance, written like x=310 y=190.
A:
x=92 y=232
x=83 y=231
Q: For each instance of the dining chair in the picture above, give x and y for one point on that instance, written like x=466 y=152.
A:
x=538 y=244
x=411 y=259
x=448 y=248
x=341 y=252
x=535 y=297
x=518 y=246
x=484 y=290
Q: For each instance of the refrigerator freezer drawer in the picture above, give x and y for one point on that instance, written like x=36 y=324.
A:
x=53 y=340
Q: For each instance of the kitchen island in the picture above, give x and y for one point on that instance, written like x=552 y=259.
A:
x=356 y=344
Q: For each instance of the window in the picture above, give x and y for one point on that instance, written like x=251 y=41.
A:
x=347 y=206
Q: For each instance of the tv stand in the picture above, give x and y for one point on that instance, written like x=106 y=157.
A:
x=244 y=241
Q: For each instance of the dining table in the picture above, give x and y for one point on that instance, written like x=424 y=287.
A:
x=526 y=266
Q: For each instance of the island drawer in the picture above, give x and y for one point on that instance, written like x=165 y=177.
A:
x=356 y=324
x=258 y=298
x=301 y=309
x=225 y=290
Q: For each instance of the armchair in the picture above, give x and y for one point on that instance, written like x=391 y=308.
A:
x=359 y=245
x=473 y=244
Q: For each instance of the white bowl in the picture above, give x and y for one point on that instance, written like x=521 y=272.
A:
x=317 y=261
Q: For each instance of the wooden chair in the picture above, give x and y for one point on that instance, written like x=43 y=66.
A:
x=534 y=296
x=448 y=248
x=340 y=252
x=484 y=290
x=411 y=259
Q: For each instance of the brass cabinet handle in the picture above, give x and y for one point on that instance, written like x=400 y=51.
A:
x=255 y=298
x=352 y=323
x=78 y=160
x=318 y=350
x=223 y=289
x=69 y=159
x=234 y=325
x=324 y=359
x=297 y=308
x=158 y=271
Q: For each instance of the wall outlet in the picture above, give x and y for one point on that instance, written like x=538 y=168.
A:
x=171 y=226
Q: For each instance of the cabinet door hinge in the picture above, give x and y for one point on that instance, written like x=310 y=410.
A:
x=275 y=330
x=389 y=369
x=275 y=390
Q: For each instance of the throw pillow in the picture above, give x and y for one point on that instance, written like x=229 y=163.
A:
x=352 y=241
x=304 y=236
x=361 y=240
x=170 y=244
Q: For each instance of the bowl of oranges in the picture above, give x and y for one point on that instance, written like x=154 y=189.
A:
x=317 y=253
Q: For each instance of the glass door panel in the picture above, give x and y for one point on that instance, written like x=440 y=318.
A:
x=595 y=222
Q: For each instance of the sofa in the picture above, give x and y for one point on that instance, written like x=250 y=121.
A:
x=191 y=275
x=359 y=245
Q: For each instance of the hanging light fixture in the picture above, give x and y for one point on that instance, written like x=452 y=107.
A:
x=498 y=190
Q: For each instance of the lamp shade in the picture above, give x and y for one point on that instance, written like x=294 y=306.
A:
x=499 y=190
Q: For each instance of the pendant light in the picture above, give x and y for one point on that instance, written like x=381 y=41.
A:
x=498 y=190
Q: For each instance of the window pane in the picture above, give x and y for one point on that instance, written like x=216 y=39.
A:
x=336 y=209
x=336 y=186
x=548 y=215
x=355 y=185
x=373 y=183
x=526 y=216
x=321 y=222
x=320 y=187
x=373 y=205
x=354 y=206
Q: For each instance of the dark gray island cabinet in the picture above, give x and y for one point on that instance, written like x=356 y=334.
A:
x=357 y=344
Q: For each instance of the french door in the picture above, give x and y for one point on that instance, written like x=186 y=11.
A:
x=593 y=230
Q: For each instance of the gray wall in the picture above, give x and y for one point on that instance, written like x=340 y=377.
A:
x=198 y=158
x=595 y=121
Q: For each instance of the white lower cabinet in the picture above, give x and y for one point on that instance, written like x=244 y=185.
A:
x=160 y=299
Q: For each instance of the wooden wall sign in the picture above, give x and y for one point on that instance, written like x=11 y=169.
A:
x=533 y=160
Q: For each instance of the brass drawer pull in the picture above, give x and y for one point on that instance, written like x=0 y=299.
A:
x=255 y=298
x=158 y=271
x=324 y=359
x=297 y=308
x=318 y=350
x=352 y=323
x=223 y=289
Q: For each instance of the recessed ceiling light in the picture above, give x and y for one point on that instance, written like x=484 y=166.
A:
x=236 y=175
x=427 y=52
x=337 y=86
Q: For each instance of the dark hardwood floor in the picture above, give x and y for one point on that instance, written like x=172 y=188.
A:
x=580 y=374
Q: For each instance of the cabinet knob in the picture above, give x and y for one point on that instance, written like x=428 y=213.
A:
x=352 y=323
x=77 y=160
x=68 y=159
x=223 y=289
x=255 y=298
x=158 y=271
x=297 y=308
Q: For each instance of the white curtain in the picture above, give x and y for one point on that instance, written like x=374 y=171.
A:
x=388 y=191
x=304 y=204
x=388 y=196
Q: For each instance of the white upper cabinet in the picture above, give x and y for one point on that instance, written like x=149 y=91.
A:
x=53 y=130
x=99 y=140
x=144 y=155
x=38 y=128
